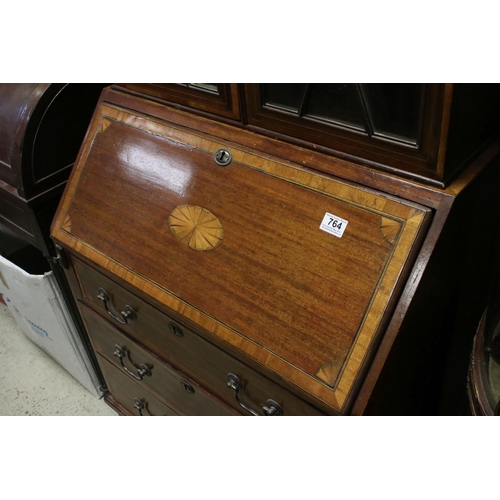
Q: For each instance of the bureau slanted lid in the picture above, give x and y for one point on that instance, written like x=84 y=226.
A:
x=297 y=270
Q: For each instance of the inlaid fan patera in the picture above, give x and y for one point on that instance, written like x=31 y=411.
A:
x=196 y=227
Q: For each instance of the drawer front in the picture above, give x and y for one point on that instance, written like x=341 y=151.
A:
x=184 y=349
x=159 y=333
x=134 y=398
x=178 y=391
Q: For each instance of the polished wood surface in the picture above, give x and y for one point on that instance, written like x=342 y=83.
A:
x=321 y=299
x=314 y=156
x=407 y=367
x=17 y=103
x=162 y=380
x=175 y=342
x=124 y=393
x=457 y=121
x=41 y=129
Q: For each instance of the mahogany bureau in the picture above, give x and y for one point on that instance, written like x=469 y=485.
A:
x=222 y=269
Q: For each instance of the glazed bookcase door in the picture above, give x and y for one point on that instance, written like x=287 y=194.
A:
x=392 y=126
x=218 y=98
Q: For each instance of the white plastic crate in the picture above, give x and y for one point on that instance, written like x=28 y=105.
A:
x=36 y=302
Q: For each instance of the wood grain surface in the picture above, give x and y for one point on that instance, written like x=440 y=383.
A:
x=305 y=303
x=162 y=381
x=175 y=342
x=125 y=393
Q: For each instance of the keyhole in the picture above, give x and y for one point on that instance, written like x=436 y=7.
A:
x=223 y=157
x=175 y=330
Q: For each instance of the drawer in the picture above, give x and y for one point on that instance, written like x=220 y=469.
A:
x=183 y=348
x=157 y=331
x=135 y=399
x=146 y=370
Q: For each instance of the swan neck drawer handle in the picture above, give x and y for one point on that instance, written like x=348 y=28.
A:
x=127 y=314
x=272 y=408
x=140 y=405
x=120 y=353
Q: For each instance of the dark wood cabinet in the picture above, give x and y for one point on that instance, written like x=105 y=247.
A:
x=41 y=129
x=221 y=99
x=425 y=132
x=270 y=274
x=392 y=126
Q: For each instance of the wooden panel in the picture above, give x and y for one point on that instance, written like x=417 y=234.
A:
x=52 y=142
x=224 y=101
x=17 y=102
x=176 y=343
x=124 y=391
x=164 y=382
x=14 y=210
x=305 y=303
x=474 y=122
x=41 y=129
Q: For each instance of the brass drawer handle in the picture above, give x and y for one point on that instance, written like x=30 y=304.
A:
x=120 y=353
x=140 y=405
x=272 y=408
x=126 y=314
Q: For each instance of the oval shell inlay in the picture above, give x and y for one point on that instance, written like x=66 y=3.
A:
x=196 y=227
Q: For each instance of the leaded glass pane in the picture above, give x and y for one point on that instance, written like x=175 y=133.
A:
x=337 y=103
x=394 y=109
x=287 y=96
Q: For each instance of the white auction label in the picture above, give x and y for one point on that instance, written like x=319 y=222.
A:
x=333 y=224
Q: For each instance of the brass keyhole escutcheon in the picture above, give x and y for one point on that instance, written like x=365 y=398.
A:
x=177 y=331
x=223 y=157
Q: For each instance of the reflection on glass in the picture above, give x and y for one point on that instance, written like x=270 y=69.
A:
x=213 y=88
x=394 y=109
x=492 y=343
x=287 y=96
x=208 y=87
x=336 y=102
x=390 y=110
